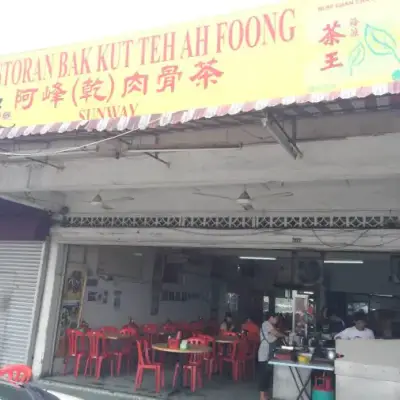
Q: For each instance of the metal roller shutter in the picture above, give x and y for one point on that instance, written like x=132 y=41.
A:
x=21 y=276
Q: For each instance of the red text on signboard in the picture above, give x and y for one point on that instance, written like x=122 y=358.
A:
x=207 y=73
x=332 y=36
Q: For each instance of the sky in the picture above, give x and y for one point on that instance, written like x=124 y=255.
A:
x=30 y=25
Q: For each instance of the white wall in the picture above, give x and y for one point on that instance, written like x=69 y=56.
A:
x=136 y=296
x=192 y=309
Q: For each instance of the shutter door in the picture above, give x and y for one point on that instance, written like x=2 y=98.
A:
x=20 y=284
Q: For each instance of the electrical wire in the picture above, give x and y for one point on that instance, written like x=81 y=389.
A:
x=75 y=148
x=84 y=146
x=353 y=243
x=242 y=234
x=340 y=245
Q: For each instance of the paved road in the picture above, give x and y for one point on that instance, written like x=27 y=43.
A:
x=86 y=394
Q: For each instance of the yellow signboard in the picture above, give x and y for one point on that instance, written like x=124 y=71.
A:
x=292 y=48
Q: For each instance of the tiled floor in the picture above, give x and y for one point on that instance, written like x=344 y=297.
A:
x=221 y=388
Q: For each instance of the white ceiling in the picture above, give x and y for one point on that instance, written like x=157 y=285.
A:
x=344 y=196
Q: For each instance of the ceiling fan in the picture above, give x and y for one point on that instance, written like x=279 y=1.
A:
x=244 y=200
x=98 y=201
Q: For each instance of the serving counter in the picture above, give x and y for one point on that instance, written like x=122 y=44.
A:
x=292 y=380
x=369 y=369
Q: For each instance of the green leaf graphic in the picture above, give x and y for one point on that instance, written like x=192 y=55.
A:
x=379 y=41
x=396 y=75
x=356 y=56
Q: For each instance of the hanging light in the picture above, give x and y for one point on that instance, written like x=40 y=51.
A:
x=97 y=200
x=244 y=199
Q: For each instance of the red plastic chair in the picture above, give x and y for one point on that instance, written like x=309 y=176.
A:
x=74 y=338
x=16 y=373
x=145 y=363
x=226 y=348
x=194 y=367
x=150 y=328
x=169 y=328
x=210 y=359
x=109 y=329
x=133 y=329
x=150 y=332
x=126 y=351
x=97 y=354
x=251 y=355
x=228 y=334
x=237 y=359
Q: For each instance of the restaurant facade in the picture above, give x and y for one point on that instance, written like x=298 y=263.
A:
x=201 y=165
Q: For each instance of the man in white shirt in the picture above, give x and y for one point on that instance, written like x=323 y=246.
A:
x=358 y=331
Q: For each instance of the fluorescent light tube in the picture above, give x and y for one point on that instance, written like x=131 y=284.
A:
x=343 y=262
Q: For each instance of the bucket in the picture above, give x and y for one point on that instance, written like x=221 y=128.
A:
x=323 y=383
x=323 y=389
x=322 y=395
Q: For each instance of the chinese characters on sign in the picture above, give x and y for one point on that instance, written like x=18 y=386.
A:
x=168 y=78
x=332 y=36
x=135 y=83
x=24 y=98
x=206 y=73
x=92 y=89
x=354 y=22
x=54 y=94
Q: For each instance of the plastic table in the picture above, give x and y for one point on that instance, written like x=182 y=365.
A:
x=182 y=353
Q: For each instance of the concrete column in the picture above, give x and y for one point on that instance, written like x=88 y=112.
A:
x=49 y=310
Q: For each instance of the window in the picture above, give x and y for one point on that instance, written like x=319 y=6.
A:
x=232 y=302
x=283 y=305
x=355 y=307
x=266 y=304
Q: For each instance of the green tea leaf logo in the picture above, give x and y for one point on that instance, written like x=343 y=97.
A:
x=396 y=75
x=380 y=42
x=356 y=56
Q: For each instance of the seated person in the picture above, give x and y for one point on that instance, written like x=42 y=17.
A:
x=252 y=329
x=358 y=331
x=227 y=323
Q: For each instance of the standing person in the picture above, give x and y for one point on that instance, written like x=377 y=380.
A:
x=227 y=323
x=268 y=343
x=336 y=323
x=331 y=323
x=358 y=331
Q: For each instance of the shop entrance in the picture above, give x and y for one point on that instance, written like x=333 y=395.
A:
x=117 y=286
